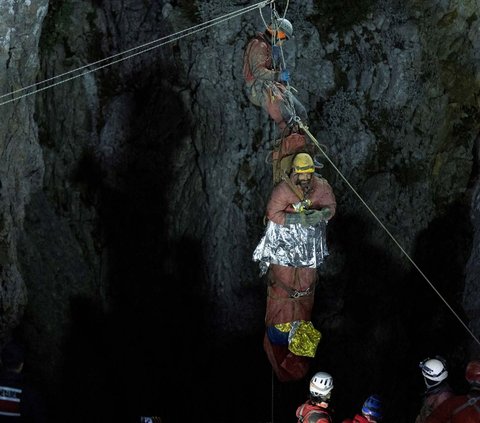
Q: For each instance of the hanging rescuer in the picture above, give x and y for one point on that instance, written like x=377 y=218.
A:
x=293 y=246
x=266 y=77
x=298 y=211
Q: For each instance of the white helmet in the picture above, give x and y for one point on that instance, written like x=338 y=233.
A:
x=321 y=384
x=434 y=369
x=282 y=26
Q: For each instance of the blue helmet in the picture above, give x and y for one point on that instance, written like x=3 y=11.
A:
x=373 y=407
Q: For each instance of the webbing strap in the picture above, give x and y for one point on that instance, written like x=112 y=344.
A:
x=300 y=414
x=471 y=402
x=293 y=293
x=291 y=185
x=302 y=418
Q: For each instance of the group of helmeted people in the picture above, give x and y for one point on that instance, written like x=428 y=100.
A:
x=294 y=245
x=441 y=404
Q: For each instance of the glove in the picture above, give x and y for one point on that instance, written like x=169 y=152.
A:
x=312 y=218
x=292 y=218
x=284 y=76
x=276 y=54
x=302 y=205
x=326 y=213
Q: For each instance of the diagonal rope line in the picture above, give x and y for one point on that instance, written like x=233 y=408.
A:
x=156 y=43
x=317 y=144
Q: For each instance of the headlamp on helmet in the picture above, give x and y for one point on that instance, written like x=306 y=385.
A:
x=321 y=385
x=281 y=28
x=434 y=370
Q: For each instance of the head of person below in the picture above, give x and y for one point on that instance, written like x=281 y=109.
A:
x=316 y=408
x=461 y=408
x=434 y=372
x=13 y=356
x=372 y=411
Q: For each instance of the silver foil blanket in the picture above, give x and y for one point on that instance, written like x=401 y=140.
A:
x=292 y=245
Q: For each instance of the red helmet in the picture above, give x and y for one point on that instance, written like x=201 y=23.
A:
x=472 y=373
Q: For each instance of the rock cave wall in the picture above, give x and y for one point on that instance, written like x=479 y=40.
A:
x=133 y=197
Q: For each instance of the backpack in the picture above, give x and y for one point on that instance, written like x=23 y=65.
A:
x=284 y=151
x=312 y=409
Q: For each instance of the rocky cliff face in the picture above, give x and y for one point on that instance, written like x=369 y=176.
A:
x=22 y=164
x=133 y=192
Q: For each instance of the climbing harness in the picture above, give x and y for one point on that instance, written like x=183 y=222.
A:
x=293 y=293
x=286 y=95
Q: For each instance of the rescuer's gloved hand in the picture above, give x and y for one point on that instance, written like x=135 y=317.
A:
x=291 y=218
x=284 y=76
x=326 y=213
x=311 y=218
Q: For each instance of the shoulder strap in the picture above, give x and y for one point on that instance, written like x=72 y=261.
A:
x=472 y=401
x=300 y=414
x=292 y=186
x=321 y=413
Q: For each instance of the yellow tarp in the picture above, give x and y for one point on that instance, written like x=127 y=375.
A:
x=303 y=338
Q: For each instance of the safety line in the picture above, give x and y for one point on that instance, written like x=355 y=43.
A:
x=272 y=410
x=305 y=128
x=173 y=37
x=286 y=8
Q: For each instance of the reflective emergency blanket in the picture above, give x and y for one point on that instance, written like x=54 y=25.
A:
x=292 y=245
x=302 y=337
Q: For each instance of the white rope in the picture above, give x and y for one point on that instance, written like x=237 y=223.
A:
x=289 y=104
x=158 y=43
x=272 y=403
x=286 y=8
x=261 y=15
x=387 y=231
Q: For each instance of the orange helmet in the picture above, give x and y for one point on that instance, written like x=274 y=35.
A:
x=282 y=28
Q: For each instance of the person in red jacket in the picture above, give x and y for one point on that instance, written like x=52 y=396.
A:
x=461 y=408
x=293 y=247
x=316 y=408
x=372 y=411
x=435 y=374
x=19 y=400
x=266 y=78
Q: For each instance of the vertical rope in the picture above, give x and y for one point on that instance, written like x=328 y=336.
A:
x=273 y=398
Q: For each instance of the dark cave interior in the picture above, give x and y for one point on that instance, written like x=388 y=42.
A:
x=152 y=354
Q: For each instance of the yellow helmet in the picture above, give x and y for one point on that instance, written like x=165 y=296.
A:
x=303 y=163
